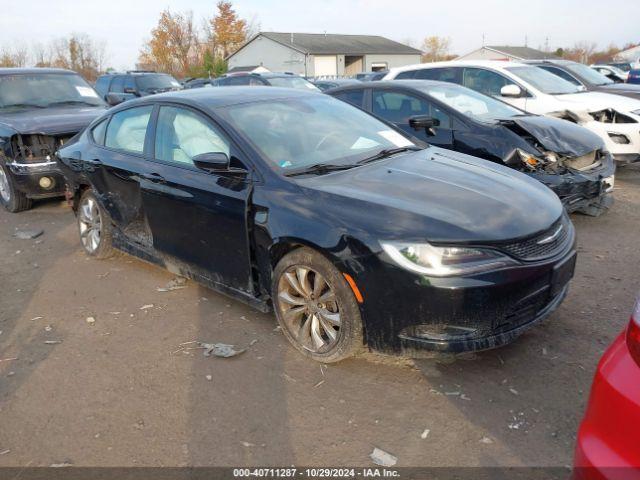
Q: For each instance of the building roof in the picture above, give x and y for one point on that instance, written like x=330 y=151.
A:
x=521 y=53
x=329 y=43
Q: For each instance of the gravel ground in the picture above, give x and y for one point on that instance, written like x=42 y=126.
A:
x=111 y=393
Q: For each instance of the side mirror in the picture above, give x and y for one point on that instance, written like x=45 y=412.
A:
x=424 y=122
x=512 y=90
x=114 y=99
x=130 y=90
x=212 y=161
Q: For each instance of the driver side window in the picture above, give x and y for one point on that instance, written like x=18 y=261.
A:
x=182 y=134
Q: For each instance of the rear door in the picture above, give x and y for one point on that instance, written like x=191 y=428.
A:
x=198 y=219
x=115 y=164
x=397 y=107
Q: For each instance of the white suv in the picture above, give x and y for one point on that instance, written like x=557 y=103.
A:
x=613 y=117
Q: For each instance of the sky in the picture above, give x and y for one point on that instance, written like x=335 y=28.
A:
x=125 y=24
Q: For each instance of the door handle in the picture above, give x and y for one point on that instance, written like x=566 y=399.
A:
x=153 y=177
x=94 y=162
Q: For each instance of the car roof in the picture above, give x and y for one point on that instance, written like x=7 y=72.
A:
x=497 y=64
x=382 y=84
x=34 y=70
x=222 y=97
x=550 y=61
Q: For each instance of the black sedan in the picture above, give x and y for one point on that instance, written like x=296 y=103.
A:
x=298 y=202
x=566 y=157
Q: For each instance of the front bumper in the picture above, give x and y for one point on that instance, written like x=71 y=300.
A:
x=27 y=178
x=494 y=307
x=587 y=192
x=607 y=442
x=621 y=152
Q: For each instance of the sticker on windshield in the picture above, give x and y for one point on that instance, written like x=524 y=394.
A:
x=395 y=138
x=363 y=142
x=86 y=92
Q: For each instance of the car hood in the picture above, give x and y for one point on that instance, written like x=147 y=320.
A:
x=50 y=121
x=556 y=135
x=596 y=101
x=437 y=195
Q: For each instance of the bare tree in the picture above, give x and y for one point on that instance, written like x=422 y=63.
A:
x=13 y=56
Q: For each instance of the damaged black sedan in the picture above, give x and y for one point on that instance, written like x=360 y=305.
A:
x=297 y=202
x=40 y=109
x=566 y=157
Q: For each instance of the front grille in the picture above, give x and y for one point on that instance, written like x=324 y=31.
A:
x=543 y=245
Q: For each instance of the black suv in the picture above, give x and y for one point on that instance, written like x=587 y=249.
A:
x=40 y=110
x=119 y=87
x=287 y=80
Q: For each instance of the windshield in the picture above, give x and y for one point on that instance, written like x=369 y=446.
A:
x=471 y=103
x=544 y=81
x=589 y=74
x=292 y=82
x=157 y=82
x=296 y=133
x=45 y=89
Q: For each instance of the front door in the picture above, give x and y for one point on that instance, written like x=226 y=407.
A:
x=398 y=107
x=198 y=219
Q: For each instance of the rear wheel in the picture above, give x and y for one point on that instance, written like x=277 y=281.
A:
x=11 y=198
x=94 y=226
x=315 y=307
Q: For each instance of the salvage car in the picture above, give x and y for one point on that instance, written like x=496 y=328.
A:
x=40 y=109
x=299 y=202
x=606 y=444
x=612 y=73
x=586 y=77
x=614 y=118
x=569 y=159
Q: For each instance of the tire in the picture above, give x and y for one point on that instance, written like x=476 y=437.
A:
x=95 y=227
x=12 y=199
x=306 y=310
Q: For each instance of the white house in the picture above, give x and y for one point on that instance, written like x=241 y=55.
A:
x=314 y=55
x=514 y=54
x=632 y=55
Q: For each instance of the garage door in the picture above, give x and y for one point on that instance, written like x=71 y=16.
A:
x=325 y=65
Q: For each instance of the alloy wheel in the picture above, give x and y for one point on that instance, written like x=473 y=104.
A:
x=5 y=191
x=90 y=224
x=309 y=308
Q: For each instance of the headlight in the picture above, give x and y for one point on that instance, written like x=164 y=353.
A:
x=427 y=259
x=529 y=160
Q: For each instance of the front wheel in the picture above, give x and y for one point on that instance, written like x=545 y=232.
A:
x=315 y=307
x=94 y=226
x=12 y=199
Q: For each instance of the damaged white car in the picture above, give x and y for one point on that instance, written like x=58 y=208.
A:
x=616 y=119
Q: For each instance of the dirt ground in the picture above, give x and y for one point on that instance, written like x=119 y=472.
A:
x=113 y=394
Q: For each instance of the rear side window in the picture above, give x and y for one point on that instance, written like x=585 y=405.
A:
x=240 y=80
x=97 y=132
x=398 y=107
x=354 y=97
x=440 y=74
x=127 y=129
x=102 y=85
x=484 y=81
x=117 y=85
x=406 y=75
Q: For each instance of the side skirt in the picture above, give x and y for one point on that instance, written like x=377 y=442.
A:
x=174 y=266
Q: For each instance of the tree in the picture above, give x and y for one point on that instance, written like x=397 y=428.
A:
x=173 y=47
x=581 y=52
x=435 y=49
x=15 y=56
x=227 y=32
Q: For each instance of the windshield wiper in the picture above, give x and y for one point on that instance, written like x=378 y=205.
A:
x=319 y=169
x=23 y=105
x=74 y=102
x=387 y=152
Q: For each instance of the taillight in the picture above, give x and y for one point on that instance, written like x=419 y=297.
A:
x=633 y=333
